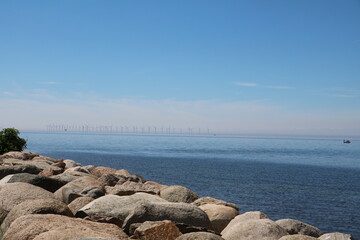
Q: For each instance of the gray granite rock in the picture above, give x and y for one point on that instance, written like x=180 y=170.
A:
x=176 y=212
x=46 y=183
x=115 y=206
x=178 y=194
x=255 y=229
x=293 y=226
x=12 y=194
x=336 y=236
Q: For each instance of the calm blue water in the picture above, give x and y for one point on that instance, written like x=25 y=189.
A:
x=315 y=180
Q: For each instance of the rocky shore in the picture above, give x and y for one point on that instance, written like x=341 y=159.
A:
x=42 y=198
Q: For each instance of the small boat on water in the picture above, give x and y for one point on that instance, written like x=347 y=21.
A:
x=346 y=141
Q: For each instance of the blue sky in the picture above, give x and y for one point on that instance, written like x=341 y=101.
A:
x=250 y=67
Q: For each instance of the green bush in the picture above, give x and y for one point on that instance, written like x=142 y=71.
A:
x=10 y=141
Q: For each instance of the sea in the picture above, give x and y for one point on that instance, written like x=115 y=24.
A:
x=314 y=180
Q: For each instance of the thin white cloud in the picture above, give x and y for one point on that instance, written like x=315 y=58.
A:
x=279 y=87
x=245 y=84
x=343 y=96
x=250 y=84
x=49 y=83
x=8 y=93
x=339 y=93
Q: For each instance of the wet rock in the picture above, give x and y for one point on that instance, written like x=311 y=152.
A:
x=210 y=200
x=255 y=229
x=293 y=226
x=199 y=236
x=157 y=230
x=12 y=194
x=219 y=215
x=37 y=206
x=178 y=194
x=49 y=226
x=176 y=212
x=336 y=236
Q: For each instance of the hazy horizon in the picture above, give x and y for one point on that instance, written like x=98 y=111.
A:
x=288 y=68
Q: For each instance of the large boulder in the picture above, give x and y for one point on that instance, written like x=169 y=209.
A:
x=78 y=203
x=157 y=230
x=219 y=215
x=199 y=236
x=93 y=192
x=69 y=177
x=109 y=179
x=297 y=237
x=71 y=163
x=336 y=236
x=40 y=157
x=177 y=212
x=80 y=187
x=42 y=164
x=252 y=215
x=3 y=214
x=293 y=226
x=178 y=194
x=23 y=155
x=12 y=194
x=130 y=187
x=157 y=185
x=210 y=200
x=9 y=170
x=77 y=169
x=115 y=206
x=88 y=238
x=46 y=183
x=50 y=226
x=100 y=171
x=77 y=234
x=263 y=229
x=37 y=206
x=124 y=176
x=68 y=193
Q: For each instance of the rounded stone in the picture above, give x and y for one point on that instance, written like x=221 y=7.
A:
x=12 y=194
x=177 y=193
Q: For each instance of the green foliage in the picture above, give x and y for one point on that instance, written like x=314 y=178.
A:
x=10 y=141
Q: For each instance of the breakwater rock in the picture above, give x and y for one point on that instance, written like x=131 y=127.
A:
x=43 y=199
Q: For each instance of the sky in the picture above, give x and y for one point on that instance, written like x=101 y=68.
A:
x=240 y=67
